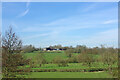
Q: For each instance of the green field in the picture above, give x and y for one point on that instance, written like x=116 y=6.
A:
x=50 y=55
x=69 y=75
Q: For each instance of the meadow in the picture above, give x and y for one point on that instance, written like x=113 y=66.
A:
x=50 y=55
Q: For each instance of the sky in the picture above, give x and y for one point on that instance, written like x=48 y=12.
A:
x=66 y=23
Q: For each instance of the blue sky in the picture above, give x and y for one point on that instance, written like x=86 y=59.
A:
x=66 y=23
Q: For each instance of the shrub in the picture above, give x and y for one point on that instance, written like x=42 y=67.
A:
x=28 y=49
x=60 y=61
x=86 y=59
x=69 y=52
x=72 y=59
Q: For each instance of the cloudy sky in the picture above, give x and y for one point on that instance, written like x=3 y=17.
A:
x=66 y=23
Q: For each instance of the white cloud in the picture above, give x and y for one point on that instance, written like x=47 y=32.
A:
x=52 y=35
x=36 y=29
x=35 y=36
x=24 y=13
x=108 y=37
x=73 y=22
x=90 y=7
x=110 y=21
x=64 y=25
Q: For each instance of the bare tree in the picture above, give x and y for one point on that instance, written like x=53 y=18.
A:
x=10 y=62
x=11 y=42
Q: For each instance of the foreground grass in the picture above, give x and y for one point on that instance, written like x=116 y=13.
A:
x=69 y=75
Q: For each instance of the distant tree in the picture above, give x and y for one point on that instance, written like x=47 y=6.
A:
x=72 y=59
x=80 y=48
x=40 y=59
x=57 y=46
x=60 y=61
x=12 y=59
x=95 y=50
x=71 y=47
x=28 y=48
x=69 y=52
x=86 y=59
x=65 y=48
x=109 y=58
x=102 y=49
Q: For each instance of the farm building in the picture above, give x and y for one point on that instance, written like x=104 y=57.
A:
x=52 y=49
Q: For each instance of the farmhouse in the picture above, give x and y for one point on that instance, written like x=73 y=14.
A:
x=52 y=49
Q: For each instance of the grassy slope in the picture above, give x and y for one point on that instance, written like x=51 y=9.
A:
x=49 y=56
x=69 y=75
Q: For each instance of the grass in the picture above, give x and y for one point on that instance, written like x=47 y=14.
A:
x=69 y=75
x=50 y=55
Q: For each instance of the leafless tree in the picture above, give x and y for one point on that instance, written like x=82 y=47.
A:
x=11 y=45
x=11 y=42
